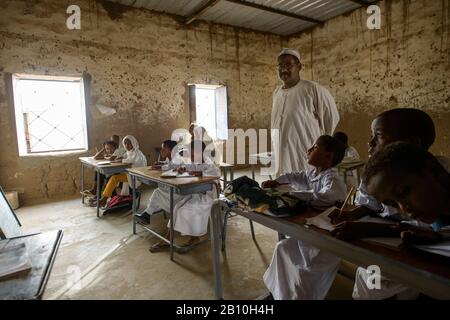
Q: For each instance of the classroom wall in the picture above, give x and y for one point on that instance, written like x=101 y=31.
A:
x=139 y=62
x=406 y=63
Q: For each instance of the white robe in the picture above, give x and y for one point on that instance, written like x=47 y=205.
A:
x=136 y=158
x=301 y=114
x=190 y=212
x=328 y=187
x=299 y=270
x=119 y=152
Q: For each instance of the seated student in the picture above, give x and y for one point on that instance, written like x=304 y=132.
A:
x=394 y=125
x=109 y=147
x=166 y=153
x=411 y=179
x=191 y=212
x=407 y=177
x=120 y=151
x=134 y=156
x=198 y=132
x=350 y=153
x=403 y=124
x=290 y=275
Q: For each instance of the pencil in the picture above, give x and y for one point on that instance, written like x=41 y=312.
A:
x=349 y=195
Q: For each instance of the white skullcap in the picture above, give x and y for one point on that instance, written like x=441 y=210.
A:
x=291 y=52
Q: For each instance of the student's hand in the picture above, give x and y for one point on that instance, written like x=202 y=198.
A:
x=348 y=215
x=181 y=169
x=269 y=184
x=350 y=230
x=423 y=236
x=336 y=216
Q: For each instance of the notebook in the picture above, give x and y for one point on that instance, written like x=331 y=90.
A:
x=175 y=174
x=322 y=220
x=102 y=163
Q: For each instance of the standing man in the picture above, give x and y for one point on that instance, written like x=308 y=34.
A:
x=302 y=111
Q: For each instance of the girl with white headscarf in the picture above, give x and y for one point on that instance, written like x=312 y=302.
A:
x=133 y=156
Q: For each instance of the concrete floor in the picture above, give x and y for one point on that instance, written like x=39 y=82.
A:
x=102 y=259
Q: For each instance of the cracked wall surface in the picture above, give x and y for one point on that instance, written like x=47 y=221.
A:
x=405 y=64
x=140 y=62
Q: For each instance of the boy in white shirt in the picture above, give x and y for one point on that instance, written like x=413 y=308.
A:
x=290 y=275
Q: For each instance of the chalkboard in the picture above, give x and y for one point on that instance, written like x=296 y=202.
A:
x=10 y=226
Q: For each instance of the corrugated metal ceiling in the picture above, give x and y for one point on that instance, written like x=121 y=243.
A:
x=236 y=14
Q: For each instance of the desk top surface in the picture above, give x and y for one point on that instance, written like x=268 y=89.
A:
x=414 y=257
x=226 y=165
x=155 y=175
x=42 y=249
x=95 y=163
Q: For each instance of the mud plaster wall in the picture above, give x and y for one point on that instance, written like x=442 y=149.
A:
x=139 y=64
x=141 y=61
x=406 y=63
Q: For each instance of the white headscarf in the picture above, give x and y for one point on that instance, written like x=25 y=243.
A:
x=133 y=141
x=134 y=156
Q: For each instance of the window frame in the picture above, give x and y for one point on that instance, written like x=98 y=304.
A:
x=22 y=143
x=193 y=104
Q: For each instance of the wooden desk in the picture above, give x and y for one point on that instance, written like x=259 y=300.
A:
x=347 y=167
x=107 y=170
x=264 y=158
x=182 y=186
x=42 y=249
x=423 y=271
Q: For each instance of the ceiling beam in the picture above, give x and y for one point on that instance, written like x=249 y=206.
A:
x=201 y=11
x=363 y=3
x=277 y=11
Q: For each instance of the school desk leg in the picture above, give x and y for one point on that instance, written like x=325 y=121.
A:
x=82 y=183
x=253 y=171
x=225 y=178
x=216 y=213
x=171 y=224
x=133 y=187
x=98 y=194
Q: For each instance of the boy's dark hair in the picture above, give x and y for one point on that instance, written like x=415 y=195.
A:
x=196 y=143
x=111 y=143
x=341 y=136
x=408 y=158
x=170 y=144
x=334 y=146
x=412 y=125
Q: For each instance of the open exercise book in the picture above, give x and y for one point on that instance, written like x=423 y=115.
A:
x=175 y=174
x=14 y=261
x=323 y=222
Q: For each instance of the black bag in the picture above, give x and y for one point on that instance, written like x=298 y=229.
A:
x=253 y=197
